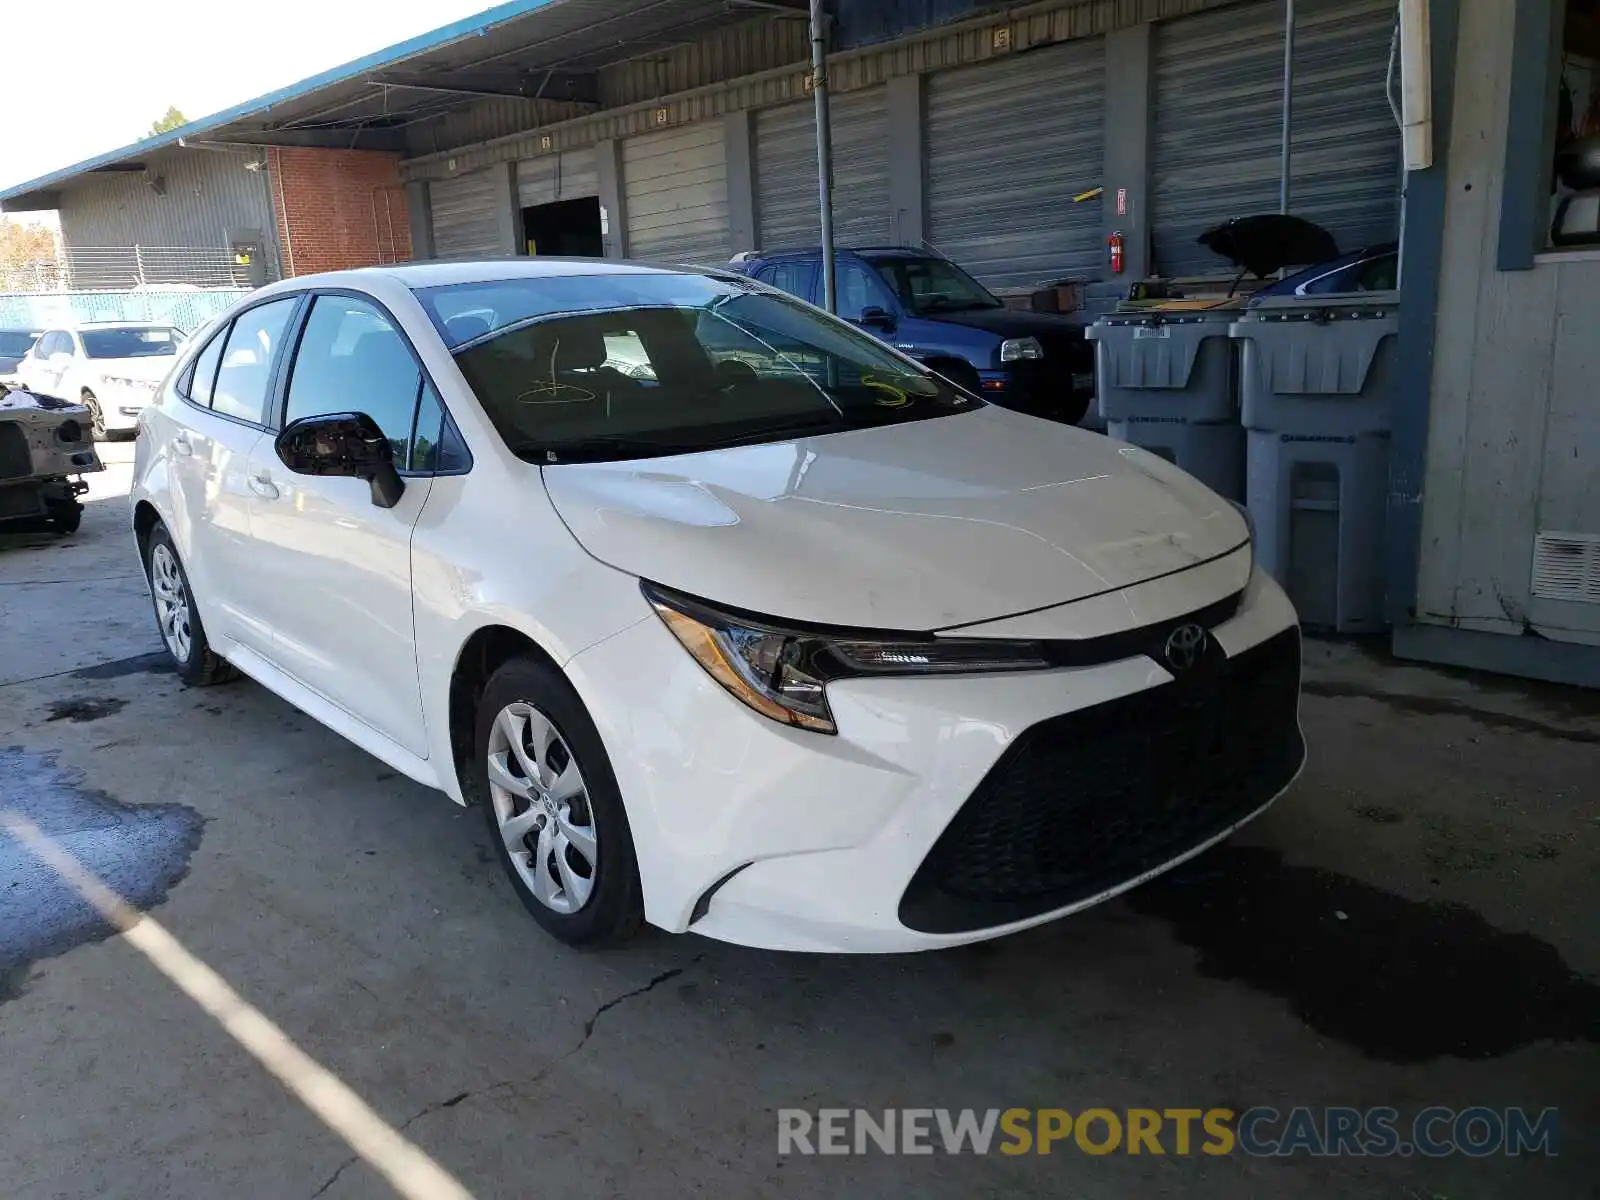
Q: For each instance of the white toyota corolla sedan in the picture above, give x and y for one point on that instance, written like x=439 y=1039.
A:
x=728 y=616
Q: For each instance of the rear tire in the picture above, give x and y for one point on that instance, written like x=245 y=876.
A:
x=177 y=619
x=554 y=811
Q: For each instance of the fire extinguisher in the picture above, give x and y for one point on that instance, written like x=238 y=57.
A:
x=1118 y=261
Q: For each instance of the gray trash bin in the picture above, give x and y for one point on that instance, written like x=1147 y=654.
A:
x=1316 y=376
x=1166 y=380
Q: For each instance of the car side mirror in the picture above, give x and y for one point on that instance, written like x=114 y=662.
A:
x=877 y=318
x=343 y=444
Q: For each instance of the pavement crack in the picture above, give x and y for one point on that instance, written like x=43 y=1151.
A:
x=588 y=1026
x=334 y=1178
x=515 y=1085
x=404 y=1125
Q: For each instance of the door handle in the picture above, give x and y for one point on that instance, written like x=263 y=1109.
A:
x=182 y=445
x=261 y=484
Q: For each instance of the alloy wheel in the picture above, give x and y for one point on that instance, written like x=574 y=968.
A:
x=97 y=419
x=541 y=806
x=172 y=603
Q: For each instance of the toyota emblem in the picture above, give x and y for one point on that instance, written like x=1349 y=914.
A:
x=1185 y=646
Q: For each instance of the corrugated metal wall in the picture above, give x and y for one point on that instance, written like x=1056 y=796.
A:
x=786 y=172
x=740 y=84
x=204 y=196
x=570 y=175
x=487 y=119
x=756 y=45
x=676 y=186
x=465 y=220
x=1217 y=113
x=1009 y=144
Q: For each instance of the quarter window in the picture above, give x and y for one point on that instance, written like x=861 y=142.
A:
x=204 y=372
x=436 y=447
x=246 y=368
x=351 y=359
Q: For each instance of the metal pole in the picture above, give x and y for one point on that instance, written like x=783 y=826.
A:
x=819 y=93
x=1288 y=105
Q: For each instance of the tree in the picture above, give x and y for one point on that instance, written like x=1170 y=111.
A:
x=27 y=257
x=169 y=121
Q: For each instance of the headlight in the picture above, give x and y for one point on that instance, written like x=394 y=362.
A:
x=1015 y=349
x=782 y=671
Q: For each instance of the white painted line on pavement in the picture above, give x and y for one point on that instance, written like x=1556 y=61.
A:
x=406 y=1166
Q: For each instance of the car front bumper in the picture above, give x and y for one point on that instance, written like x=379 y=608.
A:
x=947 y=809
x=1055 y=394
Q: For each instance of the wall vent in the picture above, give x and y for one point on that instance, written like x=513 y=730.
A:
x=1566 y=566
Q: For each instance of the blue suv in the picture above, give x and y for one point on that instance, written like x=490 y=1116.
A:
x=929 y=308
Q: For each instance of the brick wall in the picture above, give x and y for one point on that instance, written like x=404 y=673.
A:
x=338 y=209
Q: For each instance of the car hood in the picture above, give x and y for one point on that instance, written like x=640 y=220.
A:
x=152 y=368
x=918 y=526
x=1009 y=322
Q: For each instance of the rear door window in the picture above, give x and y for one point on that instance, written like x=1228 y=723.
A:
x=791 y=277
x=246 y=367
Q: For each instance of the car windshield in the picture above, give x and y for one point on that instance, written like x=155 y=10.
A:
x=15 y=343
x=929 y=286
x=600 y=367
x=140 y=341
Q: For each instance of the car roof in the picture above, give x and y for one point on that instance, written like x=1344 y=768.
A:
x=91 y=326
x=22 y=329
x=438 y=272
x=863 y=251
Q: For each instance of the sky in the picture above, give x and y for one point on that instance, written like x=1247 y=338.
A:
x=112 y=67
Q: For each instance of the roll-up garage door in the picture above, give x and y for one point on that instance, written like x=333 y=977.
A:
x=569 y=175
x=465 y=224
x=1009 y=144
x=1218 y=113
x=786 y=173
x=677 y=193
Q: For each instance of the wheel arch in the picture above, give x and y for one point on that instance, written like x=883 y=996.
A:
x=145 y=518
x=485 y=650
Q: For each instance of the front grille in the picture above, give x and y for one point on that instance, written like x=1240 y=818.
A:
x=1088 y=800
x=16 y=462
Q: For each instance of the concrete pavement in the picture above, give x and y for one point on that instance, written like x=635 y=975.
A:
x=1412 y=925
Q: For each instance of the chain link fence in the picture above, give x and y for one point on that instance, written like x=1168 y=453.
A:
x=183 y=308
x=137 y=267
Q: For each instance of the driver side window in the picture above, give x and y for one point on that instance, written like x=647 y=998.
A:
x=352 y=359
x=859 y=290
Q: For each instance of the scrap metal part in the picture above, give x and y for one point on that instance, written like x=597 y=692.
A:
x=43 y=442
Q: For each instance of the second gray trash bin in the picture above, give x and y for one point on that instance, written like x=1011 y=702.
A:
x=1166 y=380
x=1315 y=399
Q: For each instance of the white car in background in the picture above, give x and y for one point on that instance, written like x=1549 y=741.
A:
x=113 y=368
x=730 y=617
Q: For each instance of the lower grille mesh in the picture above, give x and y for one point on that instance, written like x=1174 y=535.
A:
x=1088 y=800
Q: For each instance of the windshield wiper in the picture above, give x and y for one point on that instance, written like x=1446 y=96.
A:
x=829 y=424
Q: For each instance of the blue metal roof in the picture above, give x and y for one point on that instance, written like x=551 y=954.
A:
x=514 y=49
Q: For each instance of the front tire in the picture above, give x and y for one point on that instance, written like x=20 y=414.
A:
x=97 y=417
x=65 y=516
x=553 y=808
x=176 y=616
